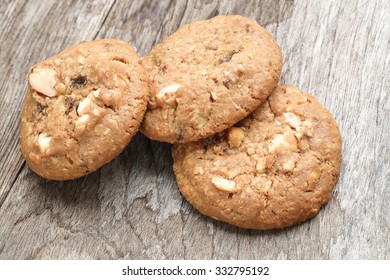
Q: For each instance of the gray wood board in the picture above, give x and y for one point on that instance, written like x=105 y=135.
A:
x=131 y=208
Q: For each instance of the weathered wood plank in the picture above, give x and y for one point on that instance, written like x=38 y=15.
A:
x=131 y=208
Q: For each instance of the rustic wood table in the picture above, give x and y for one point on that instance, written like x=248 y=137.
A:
x=131 y=208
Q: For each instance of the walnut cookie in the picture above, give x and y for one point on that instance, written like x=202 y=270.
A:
x=82 y=108
x=272 y=170
x=207 y=76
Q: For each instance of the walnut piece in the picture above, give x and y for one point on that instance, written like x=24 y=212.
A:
x=44 y=81
x=224 y=184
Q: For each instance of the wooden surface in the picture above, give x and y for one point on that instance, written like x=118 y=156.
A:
x=131 y=208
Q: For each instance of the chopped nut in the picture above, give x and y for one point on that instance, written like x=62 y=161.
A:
x=43 y=142
x=81 y=59
x=202 y=121
x=292 y=90
x=214 y=96
x=307 y=127
x=224 y=184
x=314 y=175
x=199 y=170
x=60 y=88
x=111 y=98
x=107 y=131
x=167 y=90
x=301 y=127
x=96 y=112
x=267 y=186
x=166 y=95
x=293 y=120
x=251 y=151
x=44 y=81
x=82 y=121
x=296 y=123
x=288 y=165
x=280 y=143
x=85 y=106
x=96 y=93
x=261 y=164
x=235 y=137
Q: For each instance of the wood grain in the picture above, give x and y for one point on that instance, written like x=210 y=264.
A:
x=131 y=208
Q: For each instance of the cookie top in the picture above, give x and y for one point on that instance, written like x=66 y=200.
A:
x=207 y=76
x=274 y=169
x=82 y=108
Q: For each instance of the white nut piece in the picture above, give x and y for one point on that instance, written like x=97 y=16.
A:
x=166 y=95
x=199 y=170
x=96 y=93
x=267 y=186
x=202 y=121
x=288 y=165
x=293 y=120
x=307 y=128
x=85 y=106
x=44 y=81
x=261 y=164
x=167 y=90
x=43 y=142
x=281 y=143
x=224 y=184
x=301 y=127
x=82 y=121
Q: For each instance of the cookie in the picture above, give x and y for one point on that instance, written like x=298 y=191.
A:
x=207 y=76
x=274 y=169
x=82 y=108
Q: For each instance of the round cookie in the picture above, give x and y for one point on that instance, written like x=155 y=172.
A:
x=273 y=169
x=82 y=108
x=207 y=76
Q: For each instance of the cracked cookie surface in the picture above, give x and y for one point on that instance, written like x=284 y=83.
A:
x=273 y=169
x=207 y=76
x=82 y=108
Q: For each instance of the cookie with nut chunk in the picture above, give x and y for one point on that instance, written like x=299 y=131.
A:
x=274 y=169
x=82 y=108
x=207 y=76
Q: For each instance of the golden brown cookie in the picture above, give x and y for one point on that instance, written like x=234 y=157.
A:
x=207 y=76
x=82 y=108
x=273 y=169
